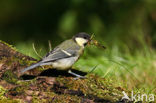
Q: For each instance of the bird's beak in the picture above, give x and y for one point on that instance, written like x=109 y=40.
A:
x=89 y=42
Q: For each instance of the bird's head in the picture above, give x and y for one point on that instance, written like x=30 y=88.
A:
x=82 y=39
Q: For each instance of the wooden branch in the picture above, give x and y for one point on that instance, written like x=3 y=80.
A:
x=47 y=87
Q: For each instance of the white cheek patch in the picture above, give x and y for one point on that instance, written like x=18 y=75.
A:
x=81 y=41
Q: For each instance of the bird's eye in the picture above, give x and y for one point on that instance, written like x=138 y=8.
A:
x=85 y=37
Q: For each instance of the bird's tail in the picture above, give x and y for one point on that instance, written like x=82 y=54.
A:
x=31 y=67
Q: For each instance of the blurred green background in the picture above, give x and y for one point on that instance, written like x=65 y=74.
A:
x=127 y=28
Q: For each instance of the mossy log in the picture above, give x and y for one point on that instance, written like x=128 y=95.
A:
x=49 y=85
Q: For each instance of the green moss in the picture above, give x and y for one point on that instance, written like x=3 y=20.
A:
x=2 y=91
x=94 y=86
x=19 y=90
x=66 y=99
x=10 y=77
x=11 y=46
x=91 y=88
x=25 y=83
x=6 y=100
x=3 y=99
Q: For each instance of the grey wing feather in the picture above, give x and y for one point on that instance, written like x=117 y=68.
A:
x=62 y=51
x=59 y=55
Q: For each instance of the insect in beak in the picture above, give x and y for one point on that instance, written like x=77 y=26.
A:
x=95 y=42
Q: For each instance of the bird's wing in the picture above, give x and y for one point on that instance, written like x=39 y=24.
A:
x=59 y=54
x=62 y=51
x=64 y=47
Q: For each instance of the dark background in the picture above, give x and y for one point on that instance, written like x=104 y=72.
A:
x=131 y=23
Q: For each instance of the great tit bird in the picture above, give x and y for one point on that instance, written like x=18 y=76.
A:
x=63 y=56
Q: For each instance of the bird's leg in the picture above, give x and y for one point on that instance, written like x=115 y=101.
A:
x=77 y=75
